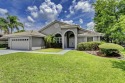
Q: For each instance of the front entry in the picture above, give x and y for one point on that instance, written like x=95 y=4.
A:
x=69 y=39
x=71 y=42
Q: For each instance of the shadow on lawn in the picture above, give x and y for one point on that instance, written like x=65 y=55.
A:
x=119 y=64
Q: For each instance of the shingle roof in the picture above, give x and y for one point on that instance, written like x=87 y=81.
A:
x=91 y=33
x=69 y=26
x=56 y=21
x=25 y=34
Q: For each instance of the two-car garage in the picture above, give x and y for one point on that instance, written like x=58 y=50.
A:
x=30 y=40
x=19 y=43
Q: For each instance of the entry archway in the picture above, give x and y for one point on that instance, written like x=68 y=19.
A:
x=69 y=39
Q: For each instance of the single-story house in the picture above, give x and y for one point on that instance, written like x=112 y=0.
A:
x=68 y=35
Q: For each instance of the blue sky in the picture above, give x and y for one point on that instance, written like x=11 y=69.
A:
x=37 y=13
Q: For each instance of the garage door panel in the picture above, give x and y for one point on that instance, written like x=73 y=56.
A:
x=20 y=43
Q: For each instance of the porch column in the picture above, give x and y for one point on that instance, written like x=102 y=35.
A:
x=63 y=41
x=76 y=41
x=98 y=38
x=94 y=39
x=86 y=39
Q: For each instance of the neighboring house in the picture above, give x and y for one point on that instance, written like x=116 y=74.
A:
x=66 y=34
x=3 y=41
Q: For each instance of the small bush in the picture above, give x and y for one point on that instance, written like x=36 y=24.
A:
x=85 y=46
x=108 y=49
x=3 y=45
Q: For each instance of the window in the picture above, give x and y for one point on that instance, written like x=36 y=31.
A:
x=58 y=39
x=89 y=39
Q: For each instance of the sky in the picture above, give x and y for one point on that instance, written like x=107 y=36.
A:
x=35 y=14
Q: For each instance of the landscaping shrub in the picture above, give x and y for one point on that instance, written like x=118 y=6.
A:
x=109 y=49
x=3 y=45
x=88 y=46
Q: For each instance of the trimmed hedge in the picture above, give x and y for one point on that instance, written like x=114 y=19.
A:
x=111 y=46
x=88 y=46
x=108 y=49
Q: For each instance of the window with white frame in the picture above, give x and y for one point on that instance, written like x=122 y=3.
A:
x=58 y=38
x=89 y=39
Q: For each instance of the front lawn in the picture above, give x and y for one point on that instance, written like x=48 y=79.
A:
x=50 y=50
x=73 y=67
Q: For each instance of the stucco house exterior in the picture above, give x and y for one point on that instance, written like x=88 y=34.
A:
x=66 y=34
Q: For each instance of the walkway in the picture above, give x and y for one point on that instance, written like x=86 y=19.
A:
x=61 y=52
x=4 y=52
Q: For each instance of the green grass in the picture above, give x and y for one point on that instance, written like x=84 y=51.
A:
x=123 y=52
x=73 y=67
x=50 y=50
x=2 y=48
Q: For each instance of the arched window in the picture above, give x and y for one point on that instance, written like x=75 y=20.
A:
x=58 y=38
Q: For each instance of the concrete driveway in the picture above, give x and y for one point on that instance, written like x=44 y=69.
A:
x=3 y=52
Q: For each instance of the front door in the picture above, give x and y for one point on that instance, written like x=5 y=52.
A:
x=71 y=42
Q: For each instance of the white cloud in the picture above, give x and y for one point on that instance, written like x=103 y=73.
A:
x=30 y=19
x=33 y=11
x=67 y=21
x=80 y=20
x=81 y=5
x=32 y=8
x=34 y=14
x=27 y=25
x=84 y=6
x=90 y=26
x=3 y=11
x=47 y=10
x=68 y=15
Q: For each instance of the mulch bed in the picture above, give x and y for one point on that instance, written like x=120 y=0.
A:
x=97 y=53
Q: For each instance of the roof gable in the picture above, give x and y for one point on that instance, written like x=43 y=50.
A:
x=56 y=21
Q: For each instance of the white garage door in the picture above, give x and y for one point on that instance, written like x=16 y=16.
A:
x=20 y=43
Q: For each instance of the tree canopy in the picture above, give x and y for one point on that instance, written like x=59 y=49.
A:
x=109 y=19
x=8 y=24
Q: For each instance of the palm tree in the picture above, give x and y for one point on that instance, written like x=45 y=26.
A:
x=49 y=40
x=4 y=25
x=13 y=23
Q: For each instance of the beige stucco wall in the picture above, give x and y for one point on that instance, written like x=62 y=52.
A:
x=37 y=43
x=82 y=39
x=52 y=29
x=3 y=42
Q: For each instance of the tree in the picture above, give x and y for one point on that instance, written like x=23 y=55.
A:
x=13 y=23
x=49 y=40
x=20 y=31
x=118 y=30
x=4 y=25
x=107 y=19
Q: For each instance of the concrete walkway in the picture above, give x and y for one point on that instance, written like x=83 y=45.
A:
x=61 y=52
x=4 y=52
